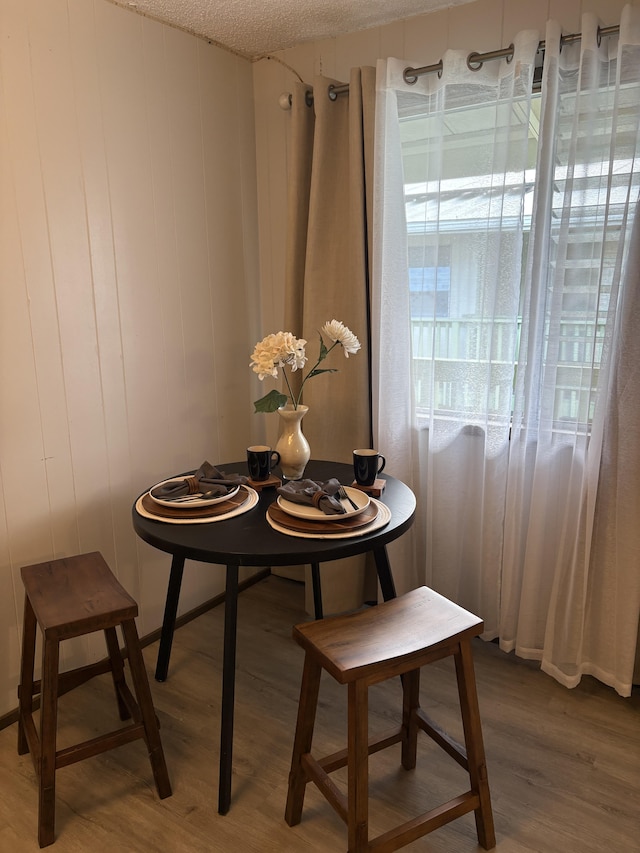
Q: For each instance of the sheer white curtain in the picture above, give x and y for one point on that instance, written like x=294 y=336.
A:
x=452 y=155
x=586 y=189
x=493 y=372
x=612 y=600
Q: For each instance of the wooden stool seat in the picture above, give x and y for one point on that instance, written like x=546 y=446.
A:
x=68 y=598
x=396 y=638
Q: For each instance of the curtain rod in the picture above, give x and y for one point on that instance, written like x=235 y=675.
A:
x=475 y=61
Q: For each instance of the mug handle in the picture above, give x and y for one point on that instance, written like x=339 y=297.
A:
x=275 y=458
x=383 y=462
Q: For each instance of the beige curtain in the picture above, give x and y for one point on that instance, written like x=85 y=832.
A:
x=328 y=250
x=299 y=159
x=336 y=271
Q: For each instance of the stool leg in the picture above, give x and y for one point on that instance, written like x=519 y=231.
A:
x=358 y=767
x=474 y=744
x=147 y=712
x=48 y=729
x=117 y=670
x=25 y=689
x=307 y=706
x=410 y=704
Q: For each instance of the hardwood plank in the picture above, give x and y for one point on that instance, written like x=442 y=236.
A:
x=563 y=764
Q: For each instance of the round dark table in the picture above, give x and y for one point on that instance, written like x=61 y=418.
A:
x=249 y=540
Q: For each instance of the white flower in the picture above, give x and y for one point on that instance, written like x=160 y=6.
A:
x=284 y=349
x=298 y=357
x=340 y=334
x=275 y=351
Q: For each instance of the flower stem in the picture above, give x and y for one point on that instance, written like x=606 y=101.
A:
x=296 y=403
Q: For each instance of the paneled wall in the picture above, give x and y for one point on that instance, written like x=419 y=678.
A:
x=129 y=296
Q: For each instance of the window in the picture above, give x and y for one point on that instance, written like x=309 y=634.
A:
x=463 y=218
x=429 y=282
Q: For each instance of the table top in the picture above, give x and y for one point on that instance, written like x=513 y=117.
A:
x=249 y=540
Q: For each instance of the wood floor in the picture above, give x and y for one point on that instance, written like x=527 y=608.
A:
x=564 y=766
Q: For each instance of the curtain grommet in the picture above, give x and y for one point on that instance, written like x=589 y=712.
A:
x=409 y=77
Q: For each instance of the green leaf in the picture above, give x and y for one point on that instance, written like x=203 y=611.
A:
x=323 y=350
x=271 y=402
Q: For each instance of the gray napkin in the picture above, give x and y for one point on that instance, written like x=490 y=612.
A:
x=207 y=480
x=311 y=493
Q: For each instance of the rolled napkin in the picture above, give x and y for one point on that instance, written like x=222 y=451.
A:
x=311 y=493
x=207 y=480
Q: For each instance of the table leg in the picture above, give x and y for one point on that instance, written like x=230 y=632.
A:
x=385 y=577
x=228 y=688
x=317 y=590
x=169 y=621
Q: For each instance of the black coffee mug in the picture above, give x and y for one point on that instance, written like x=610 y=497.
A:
x=367 y=464
x=260 y=460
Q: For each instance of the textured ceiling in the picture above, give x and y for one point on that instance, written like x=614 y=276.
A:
x=256 y=27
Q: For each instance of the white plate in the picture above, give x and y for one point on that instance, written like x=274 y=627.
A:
x=251 y=501
x=383 y=517
x=192 y=503
x=311 y=513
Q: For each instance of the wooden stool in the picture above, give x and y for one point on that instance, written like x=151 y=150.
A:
x=68 y=598
x=361 y=649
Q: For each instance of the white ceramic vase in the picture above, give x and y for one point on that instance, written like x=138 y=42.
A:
x=292 y=446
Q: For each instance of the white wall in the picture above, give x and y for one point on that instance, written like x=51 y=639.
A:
x=128 y=288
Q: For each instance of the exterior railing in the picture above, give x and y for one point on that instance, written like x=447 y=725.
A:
x=467 y=365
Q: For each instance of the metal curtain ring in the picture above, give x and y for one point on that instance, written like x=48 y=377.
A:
x=409 y=77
